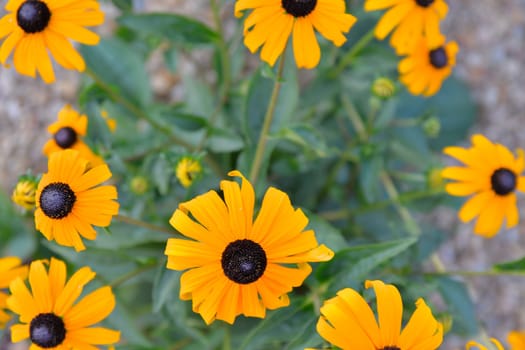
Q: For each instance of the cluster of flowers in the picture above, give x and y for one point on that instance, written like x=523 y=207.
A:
x=233 y=264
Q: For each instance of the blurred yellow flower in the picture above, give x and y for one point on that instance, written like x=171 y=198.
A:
x=472 y=345
x=491 y=175
x=409 y=21
x=516 y=340
x=10 y=268
x=187 y=170
x=426 y=67
x=36 y=27
x=24 y=193
x=235 y=265
x=67 y=133
x=271 y=23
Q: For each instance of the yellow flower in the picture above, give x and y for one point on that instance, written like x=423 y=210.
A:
x=187 y=170
x=348 y=322
x=67 y=133
x=516 y=340
x=271 y=23
x=110 y=122
x=48 y=314
x=69 y=200
x=237 y=266
x=424 y=70
x=491 y=175
x=472 y=344
x=24 y=193
x=10 y=268
x=34 y=27
x=410 y=21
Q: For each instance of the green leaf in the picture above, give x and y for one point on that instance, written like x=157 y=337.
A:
x=355 y=263
x=175 y=28
x=118 y=69
x=460 y=305
x=514 y=265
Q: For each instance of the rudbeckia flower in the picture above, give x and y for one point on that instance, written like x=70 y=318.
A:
x=491 y=175
x=187 y=170
x=69 y=200
x=10 y=268
x=237 y=266
x=272 y=21
x=409 y=21
x=34 y=27
x=472 y=345
x=516 y=340
x=67 y=133
x=348 y=322
x=48 y=314
x=24 y=192
x=424 y=70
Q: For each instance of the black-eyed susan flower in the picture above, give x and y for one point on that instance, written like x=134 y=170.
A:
x=516 y=340
x=34 y=27
x=67 y=133
x=409 y=21
x=24 y=192
x=348 y=322
x=271 y=23
x=48 y=314
x=472 y=345
x=491 y=175
x=187 y=170
x=237 y=266
x=10 y=268
x=69 y=200
x=424 y=70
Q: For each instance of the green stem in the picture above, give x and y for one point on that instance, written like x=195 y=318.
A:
x=143 y=224
x=358 y=46
x=119 y=281
x=410 y=223
x=135 y=110
x=226 y=72
x=268 y=117
x=354 y=117
x=406 y=197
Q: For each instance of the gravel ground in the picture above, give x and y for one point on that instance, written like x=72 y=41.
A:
x=491 y=35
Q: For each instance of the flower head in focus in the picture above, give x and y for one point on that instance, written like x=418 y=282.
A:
x=35 y=27
x=348 y=322
x=48 y=314
x=69 y=200
x=271 y=23
x=491 y=175
x=234 y=265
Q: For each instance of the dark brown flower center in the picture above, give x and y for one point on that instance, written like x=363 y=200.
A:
x=243 y=261
x=424 y=3
x=33 y=16
x=503 y=181
x=438 y=57
x=57 y=200
x=47 y=330
x=299 y=8
x=66 y=137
